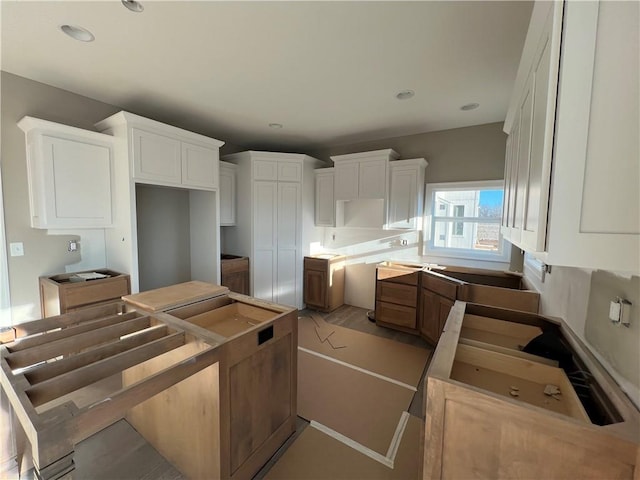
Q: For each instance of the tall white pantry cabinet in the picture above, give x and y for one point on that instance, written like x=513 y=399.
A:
x=275 y=221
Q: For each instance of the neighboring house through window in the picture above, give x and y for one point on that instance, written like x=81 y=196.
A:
x=463 y=220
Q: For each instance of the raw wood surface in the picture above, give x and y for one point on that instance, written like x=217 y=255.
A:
x=396 y=315
x=182 y=422
x=398 y=293
x=232 y=319
x=364 y=408
x=525 y=300
x=175 y=295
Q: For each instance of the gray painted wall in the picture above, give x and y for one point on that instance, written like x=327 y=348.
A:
x=457 y=155
x=164 y=253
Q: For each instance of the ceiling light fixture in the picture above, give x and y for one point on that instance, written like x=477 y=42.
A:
x=469 y=106
x=405 y=94
x=133 y=5
x=275 y=125
x=78 y=33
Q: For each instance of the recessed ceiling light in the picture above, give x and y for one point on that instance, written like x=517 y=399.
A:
x=405 y=94
x=469 y=106
x=78 y=33
x=275 y=125
x=133 y=5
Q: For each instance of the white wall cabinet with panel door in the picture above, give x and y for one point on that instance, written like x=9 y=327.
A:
x=170 y=156
x=406 y=193
x=159 y=155
x=325 y=207
x=530 y=125
x=275 y=221
x=227 y=194
x=362 y=175
x=577 y=201
x=70 y=174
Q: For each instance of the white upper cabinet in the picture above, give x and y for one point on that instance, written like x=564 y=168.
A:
x=325 y=207
x=362 y=175
x=165 y=155
x=572 y=163
x=70 y=174
x=227 y=194
x=406 y=194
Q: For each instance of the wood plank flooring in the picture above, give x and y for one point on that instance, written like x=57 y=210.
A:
x=119 y=451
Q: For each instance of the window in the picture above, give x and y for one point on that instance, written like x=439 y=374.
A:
x=463 y=220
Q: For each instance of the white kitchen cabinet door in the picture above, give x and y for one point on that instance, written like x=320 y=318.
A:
x=325 y=208
x=406 y=194
x=544 y=77
x=288 y=235
x=76 y=184
x=70 y=175
x=508 y=163
x=265 y=240
x=265 y=170
x=372 y=179
x=347 y=180
x=199 y=166
x=595 y=201
x=156 y=158
x=227 y=194
x=289 y=171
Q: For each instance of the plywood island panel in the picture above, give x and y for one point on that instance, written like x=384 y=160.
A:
x=216 y=402
x=488 y=416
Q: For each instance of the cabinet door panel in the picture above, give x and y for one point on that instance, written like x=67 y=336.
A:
x=156 y=158
x=69 y=199
x=346 y=181
x=403 y=198
x=265 y=170
x=288 y=243
x=265 y=204
x=315 y=288
x=289 y=171
x=325 y=206
x=372 y=180
x=524 y=153
x=199 y=166
x=227 y=196
x=430 y=315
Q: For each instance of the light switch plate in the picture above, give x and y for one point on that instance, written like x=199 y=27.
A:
x=17 y=249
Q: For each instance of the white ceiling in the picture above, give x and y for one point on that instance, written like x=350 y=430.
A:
x=328 y=71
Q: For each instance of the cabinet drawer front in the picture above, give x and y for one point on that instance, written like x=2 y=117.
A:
x=265 y=170
x=397 y=293
x=234 y=266
x=316 y=264
x=397 y=276
x=441 y=286
x=396 y=314
x=289 y=172
x=95 y=291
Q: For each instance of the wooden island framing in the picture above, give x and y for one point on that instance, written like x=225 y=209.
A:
x=207 y=376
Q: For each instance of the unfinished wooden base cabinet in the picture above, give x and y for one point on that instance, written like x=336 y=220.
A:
x=324 y=282
x=211 y=384
x=397 y=296
x=488 y=416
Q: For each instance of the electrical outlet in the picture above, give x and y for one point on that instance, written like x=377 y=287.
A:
x=17 y=249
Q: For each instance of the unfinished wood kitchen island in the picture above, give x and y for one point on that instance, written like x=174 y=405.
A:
x=516 y=395
x=208 y=377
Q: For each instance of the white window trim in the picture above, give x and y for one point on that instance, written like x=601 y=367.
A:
x=429 y=250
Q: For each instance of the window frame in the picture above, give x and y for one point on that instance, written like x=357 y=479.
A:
x=503 y=256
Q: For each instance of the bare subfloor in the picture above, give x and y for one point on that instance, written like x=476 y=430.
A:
x=119 y=452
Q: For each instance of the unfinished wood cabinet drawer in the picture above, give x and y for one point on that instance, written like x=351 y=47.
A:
x=320 y=264
x=441 y=285
x=524 y=300
x=393 y=314
x=397 y=293
x=59 y=294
